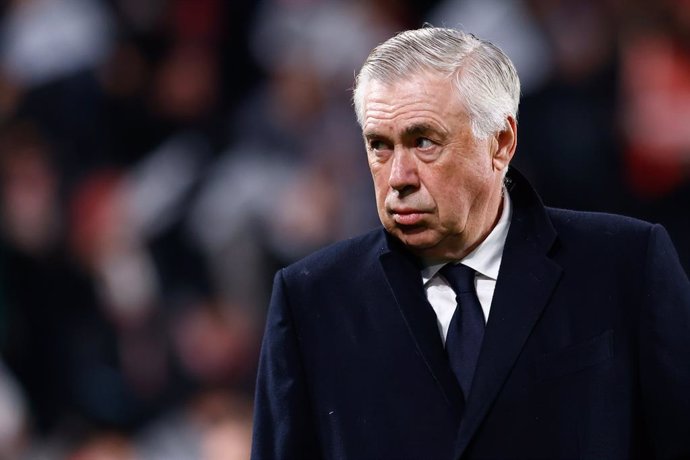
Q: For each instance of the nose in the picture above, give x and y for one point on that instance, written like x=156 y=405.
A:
x=404 y=176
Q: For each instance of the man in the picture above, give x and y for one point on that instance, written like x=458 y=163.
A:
x=571 y=341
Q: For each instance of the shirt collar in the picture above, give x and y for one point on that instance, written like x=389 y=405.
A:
x=485 y=258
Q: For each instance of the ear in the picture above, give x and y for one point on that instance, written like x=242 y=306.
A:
x=505 y=142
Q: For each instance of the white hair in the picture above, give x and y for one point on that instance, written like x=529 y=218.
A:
x=485 y=78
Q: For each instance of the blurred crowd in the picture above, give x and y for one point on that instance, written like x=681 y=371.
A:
x=161 y=159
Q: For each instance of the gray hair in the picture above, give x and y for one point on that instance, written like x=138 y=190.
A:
x=485 y=78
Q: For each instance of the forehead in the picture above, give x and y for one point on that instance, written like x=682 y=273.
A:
x=421 y=99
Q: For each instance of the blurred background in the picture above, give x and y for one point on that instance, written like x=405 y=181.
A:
x=161 y=159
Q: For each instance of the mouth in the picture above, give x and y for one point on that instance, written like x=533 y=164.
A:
x=407 y=218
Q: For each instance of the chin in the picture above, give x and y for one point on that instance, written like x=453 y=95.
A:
x=417 y=239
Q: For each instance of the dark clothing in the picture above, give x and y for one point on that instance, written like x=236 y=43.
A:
x=586 y=351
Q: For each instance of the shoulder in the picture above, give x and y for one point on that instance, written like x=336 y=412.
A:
x=595 y=224
x=343 y=256
x=618 y=242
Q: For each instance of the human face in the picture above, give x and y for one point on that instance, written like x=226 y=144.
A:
x=438 y=187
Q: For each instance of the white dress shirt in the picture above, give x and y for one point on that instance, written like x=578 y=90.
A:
x=485 y=260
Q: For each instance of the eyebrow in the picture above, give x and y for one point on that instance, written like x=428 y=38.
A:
x=417 y=129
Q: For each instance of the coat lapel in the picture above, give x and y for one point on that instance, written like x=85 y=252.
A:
x=525 y=282
x=405 y=282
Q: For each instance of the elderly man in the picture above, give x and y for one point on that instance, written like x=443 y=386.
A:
x=477 y=323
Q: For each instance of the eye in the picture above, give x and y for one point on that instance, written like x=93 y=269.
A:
x=423 y=143
x=375 y=145
x=378 y=147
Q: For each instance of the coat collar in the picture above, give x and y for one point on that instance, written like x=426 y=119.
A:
x=525 y=282
x=405 y=281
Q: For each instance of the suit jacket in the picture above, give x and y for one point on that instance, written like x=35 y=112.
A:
x=586 y=352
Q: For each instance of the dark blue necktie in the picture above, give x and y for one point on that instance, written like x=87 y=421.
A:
x=466 y=329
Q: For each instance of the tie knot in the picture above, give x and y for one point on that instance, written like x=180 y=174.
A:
x=460 y=277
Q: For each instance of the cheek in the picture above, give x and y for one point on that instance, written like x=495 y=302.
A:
x=460 y=208
x=450 y=203
x=466 y=202
x=380 y=177
x=452 y=196
x=380 y=188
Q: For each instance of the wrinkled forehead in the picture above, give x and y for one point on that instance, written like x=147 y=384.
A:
x=412 y=106
x=401 y=76
x=435 y=91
